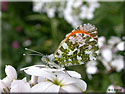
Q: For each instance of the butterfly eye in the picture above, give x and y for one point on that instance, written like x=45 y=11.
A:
x=56 y=62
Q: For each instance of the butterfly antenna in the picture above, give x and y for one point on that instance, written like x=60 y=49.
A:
x=37 y=53
x=33 y=51
x=32 y=54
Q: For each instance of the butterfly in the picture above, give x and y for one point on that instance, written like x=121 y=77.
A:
x=78 y=47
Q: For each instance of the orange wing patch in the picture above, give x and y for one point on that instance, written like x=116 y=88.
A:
x=79 y=31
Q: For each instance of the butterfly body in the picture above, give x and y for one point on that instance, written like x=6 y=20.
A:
x=79 y=47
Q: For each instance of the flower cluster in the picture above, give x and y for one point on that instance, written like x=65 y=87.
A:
x=43 y=79
x=72 y=10
x=108 y=55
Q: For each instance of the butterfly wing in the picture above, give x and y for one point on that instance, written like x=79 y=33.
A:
x=79 y=46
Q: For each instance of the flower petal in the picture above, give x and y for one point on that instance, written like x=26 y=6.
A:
x=107 y=54
x=81 y=84
x=36 y=71
x=41 y=87
x=121 y=46
x=101 y=41
x=118 y=63
x=53 y=88
x=53 y=70
x=91 y=69
x=41 y=79
x=113 y=40
x=11 y=72
x=19 y=86
x=70 y=88
x=65 y=78
x=7 y=81
x=39 y=66
x=106 y=64
x=74 y=74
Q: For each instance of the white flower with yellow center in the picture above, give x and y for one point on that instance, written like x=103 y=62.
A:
x=60 y=82
x=55 y=80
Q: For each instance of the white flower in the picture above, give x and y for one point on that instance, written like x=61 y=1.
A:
x=37 y=6
x=39 y=73
x=107 y=54
x=3 y=87
x=91 y=70
x=91 y=67
x=19 y=86
x=87 y=12
x=114 y=40
x=11 y=72
x=83 y=12
x=60 y=82
x=42 y=71
x=51 y=12
x=106 y=64
x=77 y=4
x=72 y=10
x=121 y=46
x=101 y=41
x=55 y=80
x=118 y=63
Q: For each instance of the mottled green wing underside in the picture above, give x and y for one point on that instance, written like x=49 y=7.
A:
x=78 y=48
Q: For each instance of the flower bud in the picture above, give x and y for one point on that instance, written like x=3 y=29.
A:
x=11 y=73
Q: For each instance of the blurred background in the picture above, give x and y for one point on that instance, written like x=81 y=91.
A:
x=41 y=26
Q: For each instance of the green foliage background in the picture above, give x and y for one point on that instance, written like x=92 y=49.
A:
x=46 y=34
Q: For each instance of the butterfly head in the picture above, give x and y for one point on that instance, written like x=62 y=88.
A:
x=48 y=58
x=50 y=61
